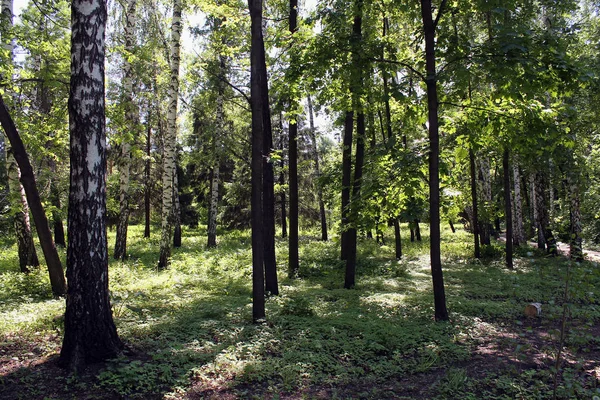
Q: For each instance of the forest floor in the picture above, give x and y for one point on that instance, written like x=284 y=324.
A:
x=188 y=334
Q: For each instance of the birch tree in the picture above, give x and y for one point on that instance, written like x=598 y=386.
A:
x=131 y=118
x=169 y=142
x=90 y=333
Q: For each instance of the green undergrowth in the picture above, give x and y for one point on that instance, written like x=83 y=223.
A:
x=188 y=328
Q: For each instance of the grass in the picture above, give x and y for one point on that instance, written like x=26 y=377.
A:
x=189 y=335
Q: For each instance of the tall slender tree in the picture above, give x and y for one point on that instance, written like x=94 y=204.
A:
x=259 y=100
x=293 y=156
x=131 y=118
x=90 y=333
x=170 y=139
x=429 y=27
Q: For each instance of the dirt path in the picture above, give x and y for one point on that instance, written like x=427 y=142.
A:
x=563 y=248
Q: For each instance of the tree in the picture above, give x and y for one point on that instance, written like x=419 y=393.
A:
x=259 y=100
x=429 y=26
x=170 y=139
x=293 y=154
x=131 y=118
x=90 y=333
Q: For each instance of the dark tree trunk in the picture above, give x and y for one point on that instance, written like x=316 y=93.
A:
x=293 y=164
x=417 y=230
x=441 y=313
x=282 y=179
x=147 y=179
x=452 y=226
x=508 y=210
x=398 y=239
x=55 y=270
x=475 y=220
x=350 y=278
x=90 y=333
x=346 y=180
x=57 y=223
x=293 y=182
x=257 y=75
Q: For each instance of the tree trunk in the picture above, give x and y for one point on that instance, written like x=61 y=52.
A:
x=271 y=284
x=282 y=178
x=575 y=244
x=315 y=149
x=485 y=223
x=519 y=231
x=475 y=219
x=147 y=170
x=16 y=193
x=294 y=265
x=214 y=185
x=346 y=180
x=257 y=75
x=55 y=270
x=26 y=248
x=350 y=278
x=417 y=230
x=131 y=118
x=508 y=209
x=398 y=239
x=90 y=333
x=441 y=313
x=57 y=222
x=169 y=141
x=176 y=211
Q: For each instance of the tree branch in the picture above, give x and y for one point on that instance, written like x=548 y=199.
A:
x=382 y=60
x=439 y=14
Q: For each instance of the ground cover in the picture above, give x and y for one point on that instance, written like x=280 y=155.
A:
x=188 y=333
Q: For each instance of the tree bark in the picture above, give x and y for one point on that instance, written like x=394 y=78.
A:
x=575 y=244
x=282 y=178
x=397 y=238
x=294 y=263
x=55 y=270
x=90 y=333
x=131 y=118
x=214 y=185
x=313 y=135
x=508 y=209
x=346 y=181
x=441 y=313
x=271 y=284
x=147 y=170
x=170 y=140
x=350 y=278
x=257 y=75
x=519 y=231
x=176 y=210
x=475 y=219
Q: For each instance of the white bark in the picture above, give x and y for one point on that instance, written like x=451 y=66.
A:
x=131 y=119
x=518 y=230
x=170 y=139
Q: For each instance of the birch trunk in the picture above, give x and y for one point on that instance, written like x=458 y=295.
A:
x=147 y=170
x=519 y=231
x=176 y=211
x=90 y=333
x=131 y=117
x=170 y=139
x=485 y=230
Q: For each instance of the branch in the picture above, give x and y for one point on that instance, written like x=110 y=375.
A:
x=439 y=14
x=382 y=60
x=231 y=85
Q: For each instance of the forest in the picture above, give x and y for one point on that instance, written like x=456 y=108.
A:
x=342 y=199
